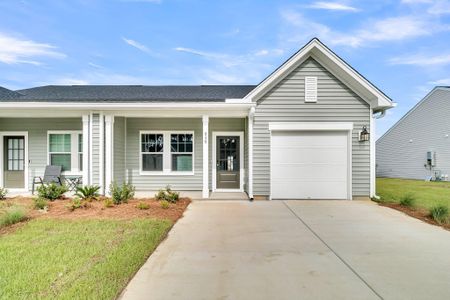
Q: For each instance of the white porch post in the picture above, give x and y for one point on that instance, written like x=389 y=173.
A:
x=205 y=191
x=109 y=151
x=86 y=140
x=251 y=115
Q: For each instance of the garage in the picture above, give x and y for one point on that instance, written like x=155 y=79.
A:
x=310 y=164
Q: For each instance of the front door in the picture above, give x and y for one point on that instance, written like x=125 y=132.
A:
x=228 y=164
x=14 y=162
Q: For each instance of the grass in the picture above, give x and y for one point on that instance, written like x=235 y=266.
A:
x=426 y=194
x=75 y=259
x=12 y=215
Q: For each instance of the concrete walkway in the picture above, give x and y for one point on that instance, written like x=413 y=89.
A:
x=296 y=250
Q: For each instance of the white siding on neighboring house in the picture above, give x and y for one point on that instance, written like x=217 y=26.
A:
x=285 y=102
x=402 y=151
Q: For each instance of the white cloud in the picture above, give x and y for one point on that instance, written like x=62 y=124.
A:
x=332 y=6
x=440 y=7
x=14 y=50
x=137 y=45
x=444 y=81
x=386 y=30
x=421 y=60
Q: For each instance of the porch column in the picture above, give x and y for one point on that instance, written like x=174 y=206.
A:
x=251 y=115
x=205 y=191
x=86 y=133
x=109 y=151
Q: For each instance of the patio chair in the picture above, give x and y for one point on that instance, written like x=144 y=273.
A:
x=52 y=174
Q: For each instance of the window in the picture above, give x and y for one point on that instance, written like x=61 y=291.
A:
x=152 y=146
x=166 y=152
x=181 y=151
x=64 y=150
x=16 y=154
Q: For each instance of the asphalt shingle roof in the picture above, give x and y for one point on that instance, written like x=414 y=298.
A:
x=127 y=93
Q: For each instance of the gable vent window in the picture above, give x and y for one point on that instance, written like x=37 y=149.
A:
x=310 y=89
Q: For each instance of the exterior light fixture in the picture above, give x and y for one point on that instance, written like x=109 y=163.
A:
x=364 y=135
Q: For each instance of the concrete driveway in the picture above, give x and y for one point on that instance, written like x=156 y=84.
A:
x=296 y=250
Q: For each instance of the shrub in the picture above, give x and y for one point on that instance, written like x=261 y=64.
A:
x=168 y=195
x=121 y=194
x=12 y=215
x=3 y=193
x=108 y=202
x=40 y=203
x=88 y=192
x=439 y=213
x=77 y=203
x=51 y=191
x=408 y=200
x=143 y=205
x=165 y=204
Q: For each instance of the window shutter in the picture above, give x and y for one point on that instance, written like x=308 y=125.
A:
x=310 y=89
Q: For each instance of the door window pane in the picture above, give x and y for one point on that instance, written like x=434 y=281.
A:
x=15 y=154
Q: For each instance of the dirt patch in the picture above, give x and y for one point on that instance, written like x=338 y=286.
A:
x=417 y=213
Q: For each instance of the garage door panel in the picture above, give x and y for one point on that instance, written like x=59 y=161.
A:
x=309 y=165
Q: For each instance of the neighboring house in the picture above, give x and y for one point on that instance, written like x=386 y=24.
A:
x=418 y=145
x=296 y=135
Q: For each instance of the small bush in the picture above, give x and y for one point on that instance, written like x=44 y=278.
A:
x=12 y=215
x=108 y=202
x=3 y=193
x=439 y=213
x=121 y=194
x=168 y=195
x=88 y=192
x=51 y=191
x=165 y=204
x=40 y=203
x=408 y=200
x=143 y=205
x=77 y=203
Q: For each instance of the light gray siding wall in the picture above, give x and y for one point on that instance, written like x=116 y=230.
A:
x=402 y=152
x=119 y=150
x=155 y=182
x=96 y=143
x=227 y=124
x=37 y=137
x=336 y=103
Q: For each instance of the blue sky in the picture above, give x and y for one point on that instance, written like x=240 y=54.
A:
x=402 y=46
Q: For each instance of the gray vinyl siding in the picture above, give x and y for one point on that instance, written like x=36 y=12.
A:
x=96 y=148
x=119 y=150
x=37 y=129
x=335 y=103
x=227 y=124
x=401 y=152
x=155 y=182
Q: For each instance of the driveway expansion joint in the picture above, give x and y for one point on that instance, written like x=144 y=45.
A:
x=333 y=251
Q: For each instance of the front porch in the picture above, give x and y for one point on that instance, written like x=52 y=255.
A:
x=204 y=153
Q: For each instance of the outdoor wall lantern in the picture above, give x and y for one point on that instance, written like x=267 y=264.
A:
x=364 y=135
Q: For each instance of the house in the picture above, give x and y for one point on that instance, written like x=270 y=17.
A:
x=302 y=133
x=418 y=145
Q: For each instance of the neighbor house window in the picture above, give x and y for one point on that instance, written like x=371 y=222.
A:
x=64 y=150
x=152 y=146
x=181 y=151
x=166 y=152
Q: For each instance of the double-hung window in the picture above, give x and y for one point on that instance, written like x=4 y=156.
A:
x=64 y=150
x=166 y=152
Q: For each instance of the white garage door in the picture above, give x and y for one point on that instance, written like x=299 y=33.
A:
x=309 y=164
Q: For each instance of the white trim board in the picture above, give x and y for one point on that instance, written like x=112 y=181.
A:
x=215 y=134
x=26 y=159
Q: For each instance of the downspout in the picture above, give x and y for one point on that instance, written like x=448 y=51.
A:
x=251 y=115
x=375 y=116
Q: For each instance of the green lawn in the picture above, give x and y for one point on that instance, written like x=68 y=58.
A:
x=82 y=259
x=427 y=193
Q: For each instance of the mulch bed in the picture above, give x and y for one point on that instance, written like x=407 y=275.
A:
x=417 y=213
x=96 y=210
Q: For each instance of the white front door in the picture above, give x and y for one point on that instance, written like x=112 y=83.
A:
x=309 y=165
